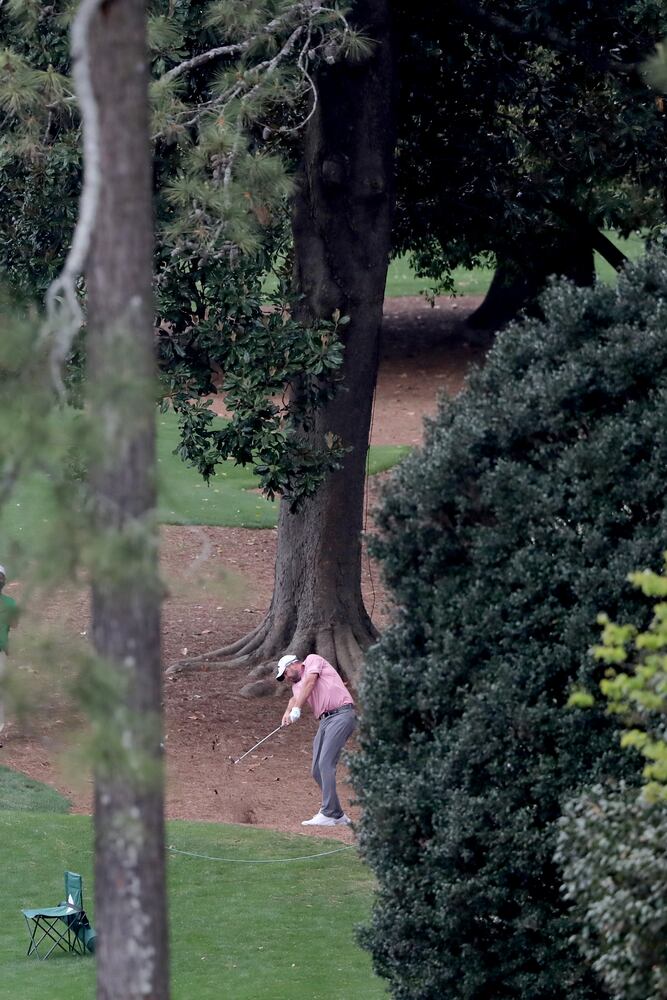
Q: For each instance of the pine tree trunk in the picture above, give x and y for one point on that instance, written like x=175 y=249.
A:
x=132 y=956
x=342 y=229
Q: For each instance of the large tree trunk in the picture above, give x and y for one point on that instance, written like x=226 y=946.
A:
x=132 y=959
x=515 y=288
x=342 y=228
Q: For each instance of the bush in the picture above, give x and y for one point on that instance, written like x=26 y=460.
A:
x=536 y=491
x=612 y=843
x=613 y=849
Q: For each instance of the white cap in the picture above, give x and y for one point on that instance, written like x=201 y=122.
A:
x=283 y=664
x=3 y=572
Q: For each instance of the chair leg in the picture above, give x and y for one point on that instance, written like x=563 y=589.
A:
x=48 y=930
x=31 y=932
x=77 y=944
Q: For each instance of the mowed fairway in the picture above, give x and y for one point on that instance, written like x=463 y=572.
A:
x=244 y=931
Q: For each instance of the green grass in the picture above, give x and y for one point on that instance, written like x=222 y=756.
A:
x=184 y=497
x=20 y=792
x=229 y=500
x=401 y=280
x=248 y=932
x=633 y=248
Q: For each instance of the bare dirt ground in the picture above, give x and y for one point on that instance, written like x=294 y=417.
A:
x=220 y=582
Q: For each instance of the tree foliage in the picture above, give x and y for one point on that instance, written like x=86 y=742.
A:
x=536 y=490
x=220 y=72
x=525 y=124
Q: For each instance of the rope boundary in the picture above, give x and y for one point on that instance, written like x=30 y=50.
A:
x=258 y=861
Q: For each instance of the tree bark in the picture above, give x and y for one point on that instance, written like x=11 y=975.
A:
x=515 y=288
x=342 y=229
x=132 y=957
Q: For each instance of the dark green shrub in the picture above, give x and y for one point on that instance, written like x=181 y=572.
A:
x=535 y=493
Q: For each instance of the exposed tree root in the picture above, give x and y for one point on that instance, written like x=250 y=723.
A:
x=342 y=644
x=242 y=647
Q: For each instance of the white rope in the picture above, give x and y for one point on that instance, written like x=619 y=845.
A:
x=260 y=861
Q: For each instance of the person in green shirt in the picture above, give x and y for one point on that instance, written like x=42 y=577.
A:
x=8 y=615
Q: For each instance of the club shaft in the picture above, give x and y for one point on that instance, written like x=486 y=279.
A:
x=273 y=733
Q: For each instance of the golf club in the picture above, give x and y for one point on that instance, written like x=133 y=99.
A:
x=258 y=744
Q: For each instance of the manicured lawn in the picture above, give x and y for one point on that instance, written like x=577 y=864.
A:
x=401 y=279
x=632 y=248
x=229 y=500
x=20 y=792
x=248 y=932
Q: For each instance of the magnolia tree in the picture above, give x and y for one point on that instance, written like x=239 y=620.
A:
x=221 y=192
x=525 y=128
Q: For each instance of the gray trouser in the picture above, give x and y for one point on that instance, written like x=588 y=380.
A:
x=331 y=736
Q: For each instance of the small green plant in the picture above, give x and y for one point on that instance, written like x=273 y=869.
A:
x=637 y=691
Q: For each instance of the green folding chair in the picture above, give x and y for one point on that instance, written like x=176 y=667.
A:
x=65 y=926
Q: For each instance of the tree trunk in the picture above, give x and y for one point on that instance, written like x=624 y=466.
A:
x=342 y=229
x=132 y=957
x=516 y=287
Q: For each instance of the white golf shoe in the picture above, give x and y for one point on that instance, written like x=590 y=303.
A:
x=343 y=820
x=319 y=819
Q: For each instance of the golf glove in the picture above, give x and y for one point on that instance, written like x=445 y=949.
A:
x=295 y=714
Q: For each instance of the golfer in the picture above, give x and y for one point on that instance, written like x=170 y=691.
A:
x=8 y=615
x=315 y=681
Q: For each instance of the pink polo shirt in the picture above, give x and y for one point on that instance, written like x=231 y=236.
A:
x=329 y=691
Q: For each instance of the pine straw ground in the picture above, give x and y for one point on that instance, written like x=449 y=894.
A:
x=220 y=582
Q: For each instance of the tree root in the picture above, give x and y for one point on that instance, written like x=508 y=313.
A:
x=228 y=655
x=342 y=644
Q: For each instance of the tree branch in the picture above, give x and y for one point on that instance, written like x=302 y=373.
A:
x=238 y=48
x=596 y=239
x=220 y=102
x=607 y=249
x=64 y=315
x=220 y=52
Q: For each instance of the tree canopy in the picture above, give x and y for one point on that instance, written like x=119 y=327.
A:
x=522 y=122
x=221 y=184
x=518 y=128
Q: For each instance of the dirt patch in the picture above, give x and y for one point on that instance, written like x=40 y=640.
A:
x=220 y=582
